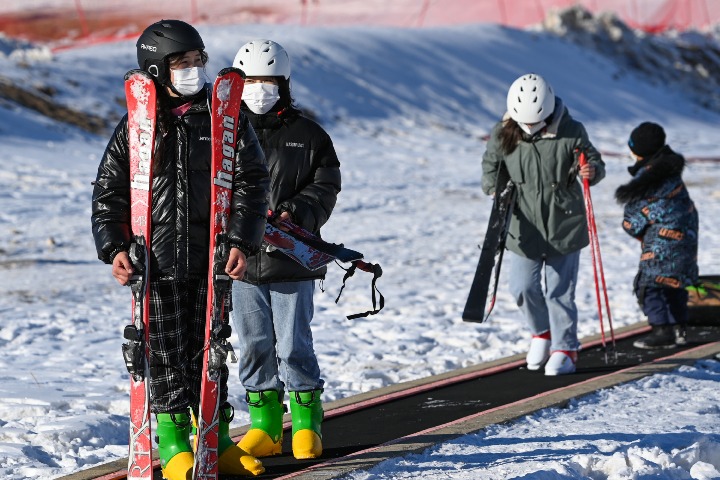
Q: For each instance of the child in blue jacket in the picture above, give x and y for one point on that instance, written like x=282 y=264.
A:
x=660 y=213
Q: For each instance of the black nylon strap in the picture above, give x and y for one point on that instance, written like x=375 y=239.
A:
x=376 y=270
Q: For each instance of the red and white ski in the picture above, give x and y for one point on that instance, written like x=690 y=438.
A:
x=307 y=256
x=312 y=252
x=141 y=96
x=225 y=113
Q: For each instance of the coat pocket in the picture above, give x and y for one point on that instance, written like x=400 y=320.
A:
x=568 y=202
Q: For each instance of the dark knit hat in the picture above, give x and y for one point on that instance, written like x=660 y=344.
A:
x=647 y=139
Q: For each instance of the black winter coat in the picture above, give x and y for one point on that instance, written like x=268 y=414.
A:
x=180 y=195
x=304 y=181
x=660 y=212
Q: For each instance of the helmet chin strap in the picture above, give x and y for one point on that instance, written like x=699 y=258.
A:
x=169 y=85
x=535 y=128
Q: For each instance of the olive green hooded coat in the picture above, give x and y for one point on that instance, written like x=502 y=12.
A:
x=549 y=216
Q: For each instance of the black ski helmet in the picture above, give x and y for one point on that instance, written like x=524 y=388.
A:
x=162 y=39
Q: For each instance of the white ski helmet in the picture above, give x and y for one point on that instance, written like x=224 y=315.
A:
x=530 y=99
x=263 y=58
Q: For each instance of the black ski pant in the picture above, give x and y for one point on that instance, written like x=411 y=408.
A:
x=665 y=306
x=177 y=337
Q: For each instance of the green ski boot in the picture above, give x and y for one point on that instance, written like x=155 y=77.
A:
x=265 y=436
x=173 y=440
x=233 y=460
x=307 y=415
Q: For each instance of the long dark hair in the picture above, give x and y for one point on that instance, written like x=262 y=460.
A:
x=286 y=99
x=509 y=136
x=165 y=103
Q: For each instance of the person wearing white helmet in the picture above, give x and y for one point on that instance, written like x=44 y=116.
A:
x=273 y=305
x=538 y=141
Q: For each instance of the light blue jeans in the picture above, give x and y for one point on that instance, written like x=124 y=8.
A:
x=272 y=322
x=554 y=308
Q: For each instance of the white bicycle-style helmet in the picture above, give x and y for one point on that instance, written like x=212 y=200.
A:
x=263 y=58
x=530 y=99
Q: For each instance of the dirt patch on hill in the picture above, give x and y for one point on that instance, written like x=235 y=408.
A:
x=43 y=103
x=689 y=61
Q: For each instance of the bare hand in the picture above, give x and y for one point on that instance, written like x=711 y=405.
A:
x=587 y=171
x=122 y=268
x=237 y=264
x=283 y=217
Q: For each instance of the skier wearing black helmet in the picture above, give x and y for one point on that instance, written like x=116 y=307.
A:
x=174 y=54
x=160 y=43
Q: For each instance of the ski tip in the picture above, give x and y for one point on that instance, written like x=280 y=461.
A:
x=227 y=70
x=137 y=71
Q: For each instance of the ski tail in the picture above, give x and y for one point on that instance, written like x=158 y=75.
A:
x=141 y=96
x=507 y=214
x=491 y=252
x=225 y=115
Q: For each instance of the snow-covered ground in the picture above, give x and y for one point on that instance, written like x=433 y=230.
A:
x=408 y=110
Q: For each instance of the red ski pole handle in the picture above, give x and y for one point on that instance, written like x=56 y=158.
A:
x=582 y=158
x=582 y=161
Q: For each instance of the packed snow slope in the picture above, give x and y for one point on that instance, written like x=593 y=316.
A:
x=408 y=110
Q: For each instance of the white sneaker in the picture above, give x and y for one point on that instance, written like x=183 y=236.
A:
x=561 y=362
x=539 y=351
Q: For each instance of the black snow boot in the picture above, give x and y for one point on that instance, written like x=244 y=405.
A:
x=662 y=336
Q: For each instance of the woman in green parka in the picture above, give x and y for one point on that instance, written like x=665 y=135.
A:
x=538 y=141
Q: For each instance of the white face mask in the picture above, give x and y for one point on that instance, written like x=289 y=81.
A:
x=189 y=81
x=260 y=97
x=534 y=129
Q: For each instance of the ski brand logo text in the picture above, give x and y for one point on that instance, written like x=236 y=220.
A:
x=148 y=47
x=223 y=177
x=295 y=144
x=141 y=178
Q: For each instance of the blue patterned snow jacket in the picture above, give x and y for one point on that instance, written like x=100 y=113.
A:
x=659 y=211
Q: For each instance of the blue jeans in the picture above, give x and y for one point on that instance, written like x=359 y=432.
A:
x=272 y=322
x=554 y=308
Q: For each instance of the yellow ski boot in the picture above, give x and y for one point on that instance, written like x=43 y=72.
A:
x=265 y=436
x=173 y=439
x=307 y=415
x=233 y=460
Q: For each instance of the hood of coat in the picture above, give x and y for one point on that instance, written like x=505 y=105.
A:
x=649 y=175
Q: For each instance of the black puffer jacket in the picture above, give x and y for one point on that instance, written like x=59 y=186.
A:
x=304 y=181
x=181 y=195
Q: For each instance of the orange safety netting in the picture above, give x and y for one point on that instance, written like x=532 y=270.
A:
x=60 y=22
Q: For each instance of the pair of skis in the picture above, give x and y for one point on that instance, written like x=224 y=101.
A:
x=306 y=248
x=225 y=112
x=493 y=247
x=312 y=252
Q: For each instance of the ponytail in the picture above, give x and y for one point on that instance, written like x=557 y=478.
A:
x=510 y=135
